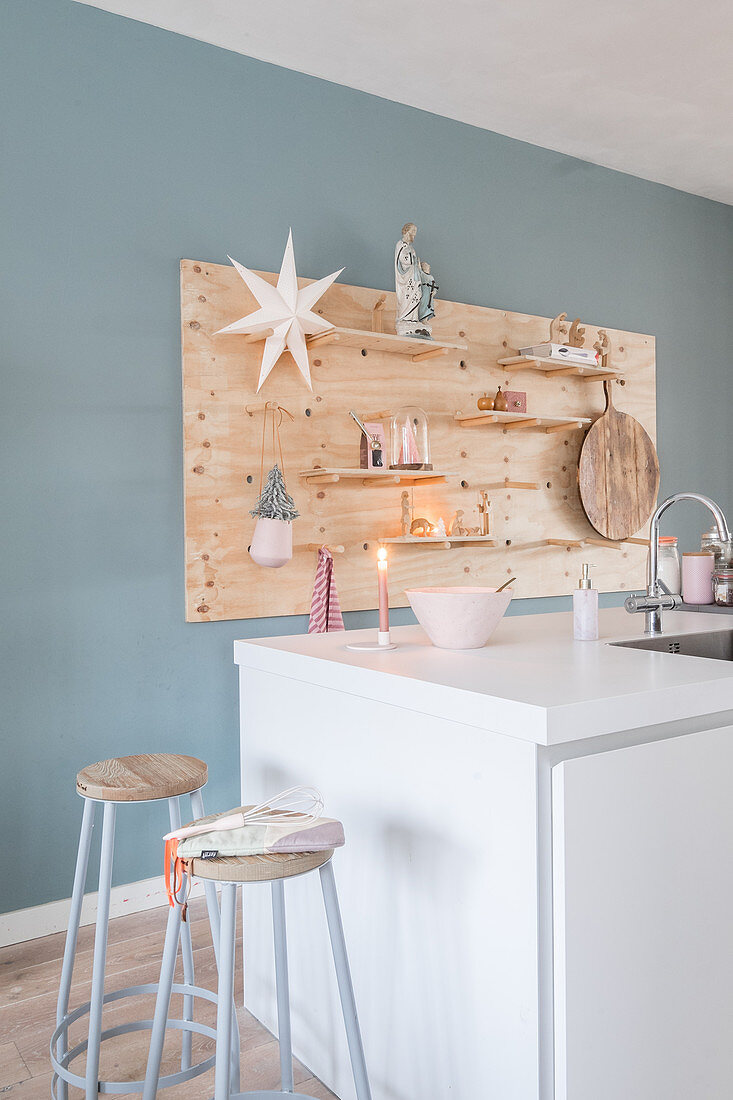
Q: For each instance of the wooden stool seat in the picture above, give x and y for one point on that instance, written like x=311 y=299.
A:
x=265 y=868
x=142 y=778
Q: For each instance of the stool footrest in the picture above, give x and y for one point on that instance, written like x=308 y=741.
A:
x=61 y=1065
x=267 y=1094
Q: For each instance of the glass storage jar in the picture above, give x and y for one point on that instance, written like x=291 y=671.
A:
x=410 y=443
x=710 y=541
x=723 y=551
x=723 y=586
x=669 y=564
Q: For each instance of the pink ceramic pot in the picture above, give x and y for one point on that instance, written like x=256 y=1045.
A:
x=272 y=542
x=459 y=618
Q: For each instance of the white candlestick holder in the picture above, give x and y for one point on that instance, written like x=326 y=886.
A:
x=383 y=641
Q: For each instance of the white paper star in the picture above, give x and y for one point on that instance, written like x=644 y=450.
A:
x=286 y=310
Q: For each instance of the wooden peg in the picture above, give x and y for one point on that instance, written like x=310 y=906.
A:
x=565 y=542
x=321 y=338
x=255 y=337
x=511 y=425
x=431 y=354
x=604 y=542
x=317 y=546
x=520 y=484
x=317 y=477
x=571 y=424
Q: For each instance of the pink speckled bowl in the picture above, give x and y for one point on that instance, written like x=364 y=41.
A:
x=459 y=618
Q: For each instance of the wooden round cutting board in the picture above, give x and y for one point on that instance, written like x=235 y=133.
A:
x=618 y=474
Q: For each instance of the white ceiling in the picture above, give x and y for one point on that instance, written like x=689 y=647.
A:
x=645 y=87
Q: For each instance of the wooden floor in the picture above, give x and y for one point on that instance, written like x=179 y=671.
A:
x=29 y=975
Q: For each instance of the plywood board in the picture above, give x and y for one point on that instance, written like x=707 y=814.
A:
x=222 y=454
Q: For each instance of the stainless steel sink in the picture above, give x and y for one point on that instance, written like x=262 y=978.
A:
x=716 y=645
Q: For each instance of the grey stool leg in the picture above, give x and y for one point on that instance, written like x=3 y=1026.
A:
x=163 y=998
x=212 y=908
x=77 y=896
x=226 y=990
x=282 y=985
x=100 y=951
x=343 y=977
x=174 y=812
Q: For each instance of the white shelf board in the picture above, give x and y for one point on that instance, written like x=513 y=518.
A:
x=437 y=540
x=552 y=366
x=387 y=477
x=514 y=421
x=413 y=346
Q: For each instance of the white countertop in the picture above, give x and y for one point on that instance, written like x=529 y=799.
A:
x=532 y=680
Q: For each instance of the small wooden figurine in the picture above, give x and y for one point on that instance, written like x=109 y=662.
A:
x=603 y=347
x=484 y=511
x=558 y=329
x=421 y=527
x=485 y=403
x=406 y=513
x=500 y=401
x=576 y=338
x=456 y=527
x=378 y=313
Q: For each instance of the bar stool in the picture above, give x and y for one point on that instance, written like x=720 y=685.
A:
x=128 y=779
x=230 y=872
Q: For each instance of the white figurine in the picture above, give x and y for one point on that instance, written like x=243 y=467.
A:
x=415 y=288
x=439 y=529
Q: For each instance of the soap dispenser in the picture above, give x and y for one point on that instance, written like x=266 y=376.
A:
x=585 y=608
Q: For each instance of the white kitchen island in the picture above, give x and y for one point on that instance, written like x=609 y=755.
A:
x=537 y=884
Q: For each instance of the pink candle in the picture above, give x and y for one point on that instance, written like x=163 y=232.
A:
x=383 y=591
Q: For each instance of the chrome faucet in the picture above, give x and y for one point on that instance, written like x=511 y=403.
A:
x=658 y=598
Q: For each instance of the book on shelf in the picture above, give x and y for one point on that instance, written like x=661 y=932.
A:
x=562 y=352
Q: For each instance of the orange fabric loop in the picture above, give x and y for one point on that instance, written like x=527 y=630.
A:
x=171 y=859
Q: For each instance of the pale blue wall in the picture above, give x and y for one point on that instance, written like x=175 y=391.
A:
x=125 y=148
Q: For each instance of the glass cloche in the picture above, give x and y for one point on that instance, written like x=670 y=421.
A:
x=410 y=442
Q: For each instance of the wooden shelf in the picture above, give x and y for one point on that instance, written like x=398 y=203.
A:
x=417 y=349
x=437 y=540
x=557 y=368
x=514 y=421
x=375 y=477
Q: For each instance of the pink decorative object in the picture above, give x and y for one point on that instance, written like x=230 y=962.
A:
x=697 y=577
x=516 y=401
x=272 y=542
x=459 y=618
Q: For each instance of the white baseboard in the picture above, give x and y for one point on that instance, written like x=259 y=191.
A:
x=44 y=920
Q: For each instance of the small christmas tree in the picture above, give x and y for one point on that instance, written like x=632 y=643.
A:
x=275 y=502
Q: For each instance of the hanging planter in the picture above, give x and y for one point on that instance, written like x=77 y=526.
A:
x=272 y=542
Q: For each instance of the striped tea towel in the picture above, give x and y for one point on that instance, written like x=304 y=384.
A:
x=325 y=607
